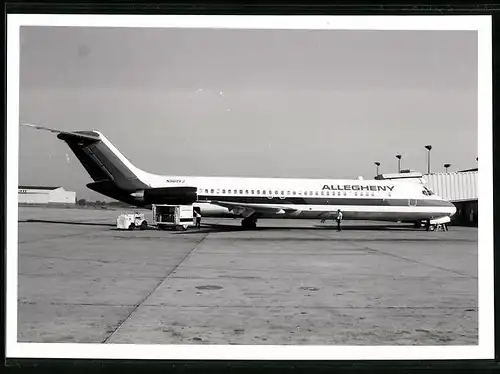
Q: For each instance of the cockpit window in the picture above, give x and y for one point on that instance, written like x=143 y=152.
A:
x=427 y=192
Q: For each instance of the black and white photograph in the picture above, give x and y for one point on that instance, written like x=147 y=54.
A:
x=291 y=188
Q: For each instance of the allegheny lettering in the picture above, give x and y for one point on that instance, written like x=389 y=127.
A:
x=356 y=187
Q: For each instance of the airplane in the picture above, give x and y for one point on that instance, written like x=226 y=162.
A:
x=254 y=198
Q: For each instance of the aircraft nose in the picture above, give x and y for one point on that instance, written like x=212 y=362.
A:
x=453 y=208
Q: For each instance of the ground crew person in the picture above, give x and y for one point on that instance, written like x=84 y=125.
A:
x=339 y=219
x=198 y=219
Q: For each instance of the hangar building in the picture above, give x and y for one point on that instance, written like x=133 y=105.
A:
x=45 y=195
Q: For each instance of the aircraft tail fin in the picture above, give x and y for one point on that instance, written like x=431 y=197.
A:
x=102 y=161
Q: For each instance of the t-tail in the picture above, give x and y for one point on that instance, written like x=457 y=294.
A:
x=114 y=176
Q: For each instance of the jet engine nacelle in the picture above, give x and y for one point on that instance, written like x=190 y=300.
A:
x=167 y=195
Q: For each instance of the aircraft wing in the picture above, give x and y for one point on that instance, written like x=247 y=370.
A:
x=246 y=210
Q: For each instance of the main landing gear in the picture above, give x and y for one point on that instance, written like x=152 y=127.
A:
x=249 y=223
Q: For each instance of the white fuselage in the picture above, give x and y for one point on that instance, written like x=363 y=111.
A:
x=391 y=200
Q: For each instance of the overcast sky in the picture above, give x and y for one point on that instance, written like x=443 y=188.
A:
x=260 y=103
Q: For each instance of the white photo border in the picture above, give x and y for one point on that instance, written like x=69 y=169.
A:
x=485 y=347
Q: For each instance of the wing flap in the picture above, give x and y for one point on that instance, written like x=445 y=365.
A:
x=246 y=209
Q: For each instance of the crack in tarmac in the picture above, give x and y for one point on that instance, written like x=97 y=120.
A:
x=467 y=308
x=407 y=259
x=136 y=306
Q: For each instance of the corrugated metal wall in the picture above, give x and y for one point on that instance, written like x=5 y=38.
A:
x=454 y=186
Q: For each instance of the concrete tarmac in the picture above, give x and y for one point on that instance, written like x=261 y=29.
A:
x=289 y=282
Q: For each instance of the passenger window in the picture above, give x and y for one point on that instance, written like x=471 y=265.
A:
x=327 y=193
x=373 y=193
x=317 y=193
x=310 y=193
x=252 y=192
x=282 y=192
x=275 y=192
x=322 y=193
x=288 y=192
x=293 y=193
x=344 y=193
x=258 y=192
x=206 y=191
x=223 y=191
x=246 y=191
x=218 y=191
x=241 y=192
x=270 y=192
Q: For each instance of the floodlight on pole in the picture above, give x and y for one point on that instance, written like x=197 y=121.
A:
x=399 y=162
x=377 y=164
x=446 y=166
x=428 y=147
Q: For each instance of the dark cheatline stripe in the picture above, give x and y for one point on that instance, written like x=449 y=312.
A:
x=324 y=201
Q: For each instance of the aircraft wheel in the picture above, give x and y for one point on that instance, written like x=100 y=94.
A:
x=184 y=227
x=132 y=226
x=144 y=225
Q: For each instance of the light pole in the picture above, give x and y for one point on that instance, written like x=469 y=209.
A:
x=428 y=147
x=399 y=163
x=446 y=166
x=377 y=164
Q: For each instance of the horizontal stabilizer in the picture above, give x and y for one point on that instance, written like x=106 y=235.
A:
x=65 y=135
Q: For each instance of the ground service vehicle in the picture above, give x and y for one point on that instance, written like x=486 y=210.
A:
x=131 y=221
x=174 y=216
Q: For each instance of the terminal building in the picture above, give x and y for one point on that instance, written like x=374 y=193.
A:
x=45 y=195
x=460 y=188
